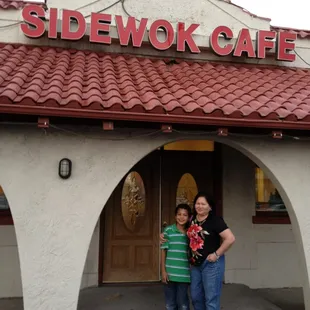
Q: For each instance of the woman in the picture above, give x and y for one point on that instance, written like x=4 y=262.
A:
x=210 y=238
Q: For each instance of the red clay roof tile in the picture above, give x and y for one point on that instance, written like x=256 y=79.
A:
x=302 y=34
x=75 y=81
x=17 y=4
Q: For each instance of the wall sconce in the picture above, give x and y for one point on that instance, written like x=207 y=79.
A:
x=65 y=167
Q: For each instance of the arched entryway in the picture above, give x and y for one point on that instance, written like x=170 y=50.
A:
x=69 y=210
x=171 y=174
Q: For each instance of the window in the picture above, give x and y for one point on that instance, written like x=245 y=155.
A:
x=5 y=213
x=187 y=190
x=269 y=206
x=4 y=205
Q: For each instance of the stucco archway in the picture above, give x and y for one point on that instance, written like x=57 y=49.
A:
x=55 y=219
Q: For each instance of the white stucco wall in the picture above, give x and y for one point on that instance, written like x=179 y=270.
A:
x=263 y=254
x=259 y=259
x=10 y=279
x=90 y=273
x=56 y=221
x=10 y=275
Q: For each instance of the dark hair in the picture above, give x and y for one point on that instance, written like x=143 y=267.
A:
x=209 y=200
x=183 y=206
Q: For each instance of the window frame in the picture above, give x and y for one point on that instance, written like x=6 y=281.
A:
x=269 y=217
x=5 y=214
x=6 y=217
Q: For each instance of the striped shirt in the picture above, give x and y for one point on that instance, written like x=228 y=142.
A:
x=177 y=264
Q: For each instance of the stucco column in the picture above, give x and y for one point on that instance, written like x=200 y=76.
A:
x=287 y=164
x=55 y=218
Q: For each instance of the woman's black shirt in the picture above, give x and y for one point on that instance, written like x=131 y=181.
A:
x=213 y=226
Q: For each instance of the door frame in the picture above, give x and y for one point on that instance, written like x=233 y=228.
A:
x=218 y=197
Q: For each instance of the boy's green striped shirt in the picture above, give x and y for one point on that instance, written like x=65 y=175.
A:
x=177 y=265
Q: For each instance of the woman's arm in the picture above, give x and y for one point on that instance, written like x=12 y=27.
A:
x=228 y=240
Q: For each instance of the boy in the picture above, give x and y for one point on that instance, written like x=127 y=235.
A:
x=174 y=261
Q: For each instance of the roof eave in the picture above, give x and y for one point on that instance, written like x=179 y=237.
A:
x=155 y=118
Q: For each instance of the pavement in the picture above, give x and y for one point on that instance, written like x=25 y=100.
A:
x=235 y=297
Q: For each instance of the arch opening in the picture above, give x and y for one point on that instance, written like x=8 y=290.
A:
x=237 y=176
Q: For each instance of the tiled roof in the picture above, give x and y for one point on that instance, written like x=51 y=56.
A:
x=49 y=81
x=300 y=33
x=16 y=4
x=8 y=4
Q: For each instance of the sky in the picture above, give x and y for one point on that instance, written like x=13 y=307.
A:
x=285 y=13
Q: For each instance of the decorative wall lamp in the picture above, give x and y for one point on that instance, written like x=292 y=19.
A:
x=65 y=167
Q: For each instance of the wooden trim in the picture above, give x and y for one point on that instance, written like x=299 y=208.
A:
x=6 y=218
x=129 y=284
x=101 y=245
x=152 y=117
x=271 y=217
x=218 y=178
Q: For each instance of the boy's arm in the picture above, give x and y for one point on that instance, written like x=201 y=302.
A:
x=164 y=276
x=164 y=248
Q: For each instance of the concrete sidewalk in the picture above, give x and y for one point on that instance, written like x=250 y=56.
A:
x=235 y=297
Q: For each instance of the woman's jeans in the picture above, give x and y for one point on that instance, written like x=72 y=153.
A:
x=176 y=296
x=206 y=284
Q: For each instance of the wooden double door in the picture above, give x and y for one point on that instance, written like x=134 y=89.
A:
x=141 y=205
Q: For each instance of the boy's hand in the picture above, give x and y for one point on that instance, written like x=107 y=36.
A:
x=164 y=277
x=162 y=238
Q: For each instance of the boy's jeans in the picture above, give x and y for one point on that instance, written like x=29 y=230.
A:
x=176 y=296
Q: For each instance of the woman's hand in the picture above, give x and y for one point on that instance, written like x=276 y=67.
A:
x=164 y=277
x=212 y=258
x=162 y=238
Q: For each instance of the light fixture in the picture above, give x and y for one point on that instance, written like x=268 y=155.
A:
x=65 y=167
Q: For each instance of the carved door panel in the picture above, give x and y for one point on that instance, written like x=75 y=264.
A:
x=131 y=230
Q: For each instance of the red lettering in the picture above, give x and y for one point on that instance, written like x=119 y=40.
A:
x=34 y=26
x=186 y=36
x=52 y=31
x=169 y=32
x=244 y=44
x=100 y=23
x=214 y=41
x=66 y=32
x=285 y=44
x=263 y=42
x=130 y=31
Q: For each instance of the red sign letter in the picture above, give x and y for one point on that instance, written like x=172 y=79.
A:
x=214 y=41
x=185 y=36
x=130 y=31
x=66 y=33
x=169 y=32
x=244 y=44
x=285 y=43
x=100 y=23
x=52 y=31
x=263 y=42
x=34 y=21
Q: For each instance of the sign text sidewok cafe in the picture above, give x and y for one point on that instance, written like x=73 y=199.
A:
x=130 y=32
